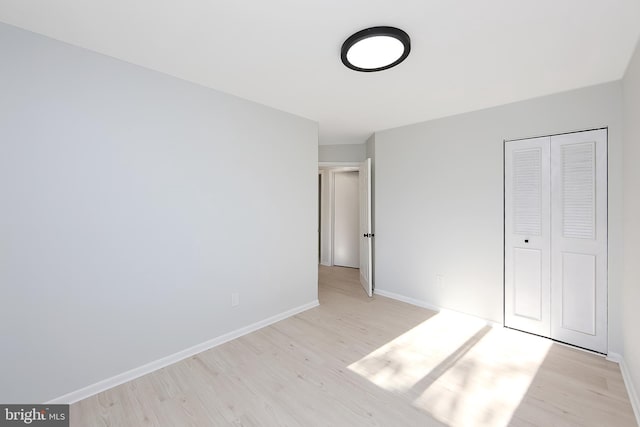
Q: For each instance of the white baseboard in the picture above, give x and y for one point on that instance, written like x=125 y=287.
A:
x=614 y=357
x=628 y=382
x=408 y=300
x=132 y=374
x=431 y=307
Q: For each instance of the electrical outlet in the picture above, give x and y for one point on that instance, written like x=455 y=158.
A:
x=235 y=299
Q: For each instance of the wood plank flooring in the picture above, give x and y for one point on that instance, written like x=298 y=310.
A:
x=359 y=361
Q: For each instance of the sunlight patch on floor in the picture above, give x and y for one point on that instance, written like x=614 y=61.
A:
x=486 y=386
x=458 y=369
x=401 y=363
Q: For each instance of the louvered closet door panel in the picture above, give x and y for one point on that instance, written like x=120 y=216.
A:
x=579 y=239
x=527 y=232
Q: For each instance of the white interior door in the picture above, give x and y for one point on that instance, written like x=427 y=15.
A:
x=527 y=236
x=346 y=228
x=365 y=226
x=579 y=239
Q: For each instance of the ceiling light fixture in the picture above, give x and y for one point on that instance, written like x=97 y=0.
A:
x=375 y=49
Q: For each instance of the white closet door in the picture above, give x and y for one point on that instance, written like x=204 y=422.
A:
x=579 y=239
x=527 y=235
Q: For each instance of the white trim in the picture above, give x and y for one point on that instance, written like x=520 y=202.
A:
x=555 y=134
x=321 y=202
x=134 y=373
x=628 y=382
x=328 y=180
x=431 y=307
x=614 y=357
x=408 y=300
x=332 y=213
x=338 y=164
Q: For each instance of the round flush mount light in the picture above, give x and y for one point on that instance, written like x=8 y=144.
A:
x=375 y=49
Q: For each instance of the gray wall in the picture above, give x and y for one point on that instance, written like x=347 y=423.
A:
x=439 y=200
x=342 y=153
x=631 y=290
x=132 y=205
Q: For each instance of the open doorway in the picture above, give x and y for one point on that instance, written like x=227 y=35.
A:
x=345 y=233
x=346 y=219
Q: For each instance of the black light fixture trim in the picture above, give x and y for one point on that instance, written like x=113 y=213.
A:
x=396 y=33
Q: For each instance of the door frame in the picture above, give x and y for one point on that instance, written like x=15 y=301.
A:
x=327 y=171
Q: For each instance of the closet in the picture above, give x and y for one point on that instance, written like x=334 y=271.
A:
x=556 y=237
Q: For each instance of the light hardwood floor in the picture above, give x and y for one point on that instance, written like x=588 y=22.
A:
x=356 y=361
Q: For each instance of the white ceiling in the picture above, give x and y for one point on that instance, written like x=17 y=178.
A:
x=466 y=54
